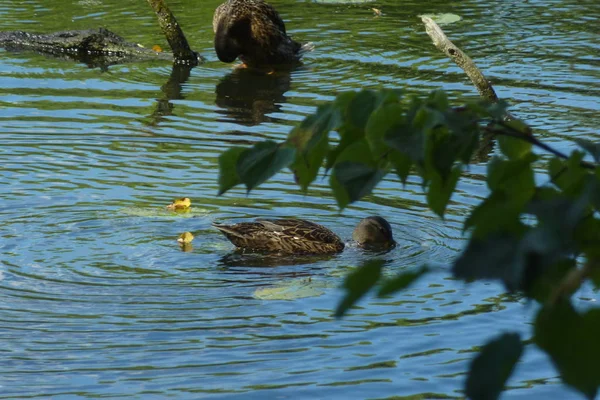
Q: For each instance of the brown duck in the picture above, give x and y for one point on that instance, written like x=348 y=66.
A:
x=298 y=236
x=253 y=31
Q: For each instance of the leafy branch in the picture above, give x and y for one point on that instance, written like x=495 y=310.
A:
x=539 y=240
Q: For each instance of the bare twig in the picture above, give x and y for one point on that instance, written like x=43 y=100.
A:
x=441 y=41
x=509 y=131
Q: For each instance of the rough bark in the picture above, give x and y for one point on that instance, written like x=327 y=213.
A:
x=172 y=31
x=441 y=41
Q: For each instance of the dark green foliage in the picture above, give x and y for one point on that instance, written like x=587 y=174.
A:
x=539 y=237
x=358 y=283
x=571 y=340
x=228 y=162
x=492 y=367
x=401 y=281
x=260 y=162
x=592 y=148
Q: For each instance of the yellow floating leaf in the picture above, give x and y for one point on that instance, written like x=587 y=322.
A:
x=157 y=48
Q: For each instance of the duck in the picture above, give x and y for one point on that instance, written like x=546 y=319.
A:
x=253 y=31
x=299 y=236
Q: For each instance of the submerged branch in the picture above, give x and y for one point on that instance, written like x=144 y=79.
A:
x=441 y=41
x=172 y=31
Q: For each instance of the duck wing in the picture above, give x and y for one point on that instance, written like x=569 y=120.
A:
x=300 y=228
x=272 y=15
x=283 y=236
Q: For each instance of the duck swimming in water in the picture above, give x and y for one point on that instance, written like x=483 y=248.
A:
x=253 y=31
x=298 y=236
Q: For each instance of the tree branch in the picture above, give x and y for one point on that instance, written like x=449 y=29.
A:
x=172 y=31
x=441 y=41
x=509 y=131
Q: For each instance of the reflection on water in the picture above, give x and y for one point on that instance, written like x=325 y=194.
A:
x=239 y=258
x=172 y=90
x=247 y=96
x=98 y=300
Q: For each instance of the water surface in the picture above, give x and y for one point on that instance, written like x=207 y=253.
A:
x=96 y=297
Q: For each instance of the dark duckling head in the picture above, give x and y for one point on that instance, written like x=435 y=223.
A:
x=374 y=233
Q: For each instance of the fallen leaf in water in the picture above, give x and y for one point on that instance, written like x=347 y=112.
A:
x=157 y=48
x=443 y=19
x=290 y=290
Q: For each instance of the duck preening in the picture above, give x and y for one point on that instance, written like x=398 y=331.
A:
x=298 y=236
x=253 y=31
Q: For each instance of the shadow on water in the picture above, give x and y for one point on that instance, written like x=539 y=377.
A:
x=244 y=259
x=246 y=96
x=241 y=258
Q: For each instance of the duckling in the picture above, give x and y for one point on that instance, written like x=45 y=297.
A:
x=180 y=204
x=253 y=31
x=298 y=236
x=185 y=238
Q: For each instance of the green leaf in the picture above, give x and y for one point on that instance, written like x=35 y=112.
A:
x=355 y=181
x=408 y=138
x=498 y=213
x=401 y=164
x=382 y=120
x=495 y=257
x=516 y=125
x=495 y=110
x=361 y=107
x=358 y=283
x=401 y=281
x=307 y=164
x=312 y=129
x=228 y=176
x=407 y=141
x=440 y=191
x=541 y=284
x=571 y=341
x=464 y=128
x=513 y=148
x=438 y=100
x=587 y=237
x=350 y=132
x=493 y=366
x=262 y=161
x=513 y=178
x=553 y=239
x=590 y=147
x=569 y=175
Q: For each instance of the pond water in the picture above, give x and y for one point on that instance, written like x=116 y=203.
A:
x=98 y=300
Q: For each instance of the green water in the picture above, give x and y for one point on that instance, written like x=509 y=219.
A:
x=98 y=300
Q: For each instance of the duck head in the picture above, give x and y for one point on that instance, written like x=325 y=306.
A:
x=374 y=233
x=229 y=38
